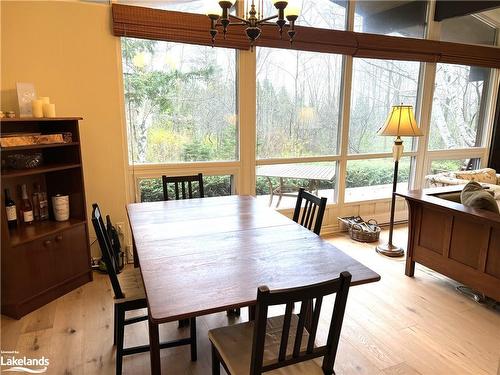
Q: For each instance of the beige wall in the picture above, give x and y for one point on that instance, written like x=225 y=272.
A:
x=67 y=50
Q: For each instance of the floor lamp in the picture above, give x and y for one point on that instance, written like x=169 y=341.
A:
x=400 y=123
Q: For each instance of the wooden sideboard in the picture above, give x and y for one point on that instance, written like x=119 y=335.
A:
x=458 y=241
x=46 y=259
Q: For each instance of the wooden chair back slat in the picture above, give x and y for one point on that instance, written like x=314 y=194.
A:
x=310 y=219
x=314 y=324
x=306 y=295
x=182 y=191
x=106 y=250
x=286 y=331
x=300 y=329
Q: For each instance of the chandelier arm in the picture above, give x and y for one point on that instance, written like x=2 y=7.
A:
x=270 y=24
x=238 y=18
x=238 y=23
x=267 y=19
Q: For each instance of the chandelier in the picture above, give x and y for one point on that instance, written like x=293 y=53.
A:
x=253 y=19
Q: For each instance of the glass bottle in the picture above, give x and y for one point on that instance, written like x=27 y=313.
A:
x=43 y=203
x=10 y=208
x=26 y=206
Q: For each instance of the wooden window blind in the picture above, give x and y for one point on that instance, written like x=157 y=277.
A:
x=148 y=23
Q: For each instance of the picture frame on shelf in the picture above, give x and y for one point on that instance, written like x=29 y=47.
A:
x=25 y=95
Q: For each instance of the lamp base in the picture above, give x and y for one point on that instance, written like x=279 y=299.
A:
x=390 y=250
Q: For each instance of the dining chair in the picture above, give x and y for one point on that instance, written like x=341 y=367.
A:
x=183 y=186
x=309 y=214
x=283 y=344
x=129 y=296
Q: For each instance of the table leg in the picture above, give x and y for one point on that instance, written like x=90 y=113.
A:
x=270 y=190
x=134 y=252
x=280 y=192
x=251 y=312
x=154 y=348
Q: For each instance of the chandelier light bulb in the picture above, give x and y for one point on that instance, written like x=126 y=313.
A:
x=213 y=10
x=292 y=10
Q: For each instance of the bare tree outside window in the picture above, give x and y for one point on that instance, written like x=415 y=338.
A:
x=458 y=107
x=298 y=99
x=377 y=85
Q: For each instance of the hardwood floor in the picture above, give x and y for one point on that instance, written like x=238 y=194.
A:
x=398 y=326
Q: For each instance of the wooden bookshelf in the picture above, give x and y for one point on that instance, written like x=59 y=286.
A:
x=46 y=259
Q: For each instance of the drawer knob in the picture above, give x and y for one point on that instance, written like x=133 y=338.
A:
x=59 y=238
x=47 y=242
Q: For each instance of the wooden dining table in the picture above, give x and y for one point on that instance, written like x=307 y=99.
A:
x=202 y=256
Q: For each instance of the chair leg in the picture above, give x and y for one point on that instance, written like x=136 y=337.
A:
x=115 y=324
x=194 y=350
x=120 y=332
x=233 y=312
x=215 y=362
x=183 y=323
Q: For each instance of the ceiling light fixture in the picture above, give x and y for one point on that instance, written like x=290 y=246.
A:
x=254 y=18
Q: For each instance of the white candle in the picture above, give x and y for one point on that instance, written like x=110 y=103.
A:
x=37 y=108
x=49 y=110
x=44 y=99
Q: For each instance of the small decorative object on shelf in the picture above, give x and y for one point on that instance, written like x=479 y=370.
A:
x=13 y=140
x=26 y=206
x=25 y=160
x=11 y=210
x=37 y=108
x=49 y=110
x=60 y=204
x=43 y=203
x=25 y=97
x=11 y=114
x=2 y=115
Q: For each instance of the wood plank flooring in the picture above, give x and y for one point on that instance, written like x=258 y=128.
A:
x=398 y=326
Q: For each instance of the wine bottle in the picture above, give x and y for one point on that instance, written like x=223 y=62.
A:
x=43 y=203
x=10 y=207
x=26 y=206
x=36 y=202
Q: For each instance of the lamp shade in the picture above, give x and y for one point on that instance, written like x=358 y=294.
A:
x=401 y=123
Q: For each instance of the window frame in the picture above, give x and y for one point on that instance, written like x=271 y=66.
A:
x=244 y=169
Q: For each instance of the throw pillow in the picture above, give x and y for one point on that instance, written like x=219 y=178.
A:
x=486 y=175
x=473 y=195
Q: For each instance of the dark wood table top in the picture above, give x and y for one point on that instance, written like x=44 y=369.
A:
x=201 y=256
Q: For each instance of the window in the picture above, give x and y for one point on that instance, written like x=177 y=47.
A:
x=277 y=184
x=396 y=18
x=324 y=14
x=377 y=85
x=458 y=107
x=373 y=178
x=151 y=189
x=180 y=102
x=439 y=166
x=467 y=29
x=298 y=99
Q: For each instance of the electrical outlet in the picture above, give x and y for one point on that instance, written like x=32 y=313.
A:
x=120 y=227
